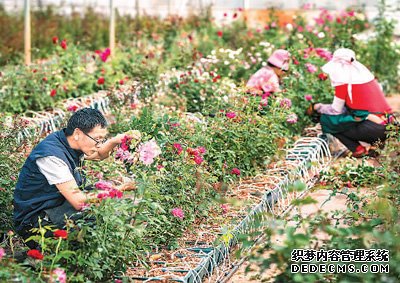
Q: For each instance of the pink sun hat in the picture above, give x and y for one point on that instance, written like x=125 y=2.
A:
x=343 y=68
x=280 y=58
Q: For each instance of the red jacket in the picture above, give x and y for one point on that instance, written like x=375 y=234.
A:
x=368 y=96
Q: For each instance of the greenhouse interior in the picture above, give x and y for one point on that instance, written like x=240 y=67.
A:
x=199 y=141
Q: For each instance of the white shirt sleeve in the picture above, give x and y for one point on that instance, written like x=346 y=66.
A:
x=338 y=104
x=336 y=108
x=54 y=169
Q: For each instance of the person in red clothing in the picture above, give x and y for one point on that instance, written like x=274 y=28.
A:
x=359 y=111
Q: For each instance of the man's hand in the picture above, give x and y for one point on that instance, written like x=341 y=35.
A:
x=73 y=194
x=117 y=139
x=127 y=187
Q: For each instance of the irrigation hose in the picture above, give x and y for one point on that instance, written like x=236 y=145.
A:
x=271 y=197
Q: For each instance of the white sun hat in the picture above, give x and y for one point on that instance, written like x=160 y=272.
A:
x=343 y=68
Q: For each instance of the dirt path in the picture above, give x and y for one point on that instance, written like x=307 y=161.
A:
x=337 y=202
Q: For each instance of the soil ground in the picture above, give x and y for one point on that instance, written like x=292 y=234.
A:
x=337 y=202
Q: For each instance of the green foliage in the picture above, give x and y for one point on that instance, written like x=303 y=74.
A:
x=370 y=222
x=10 y=163
x=249 y=140
x=108 y=238
x=381 y=53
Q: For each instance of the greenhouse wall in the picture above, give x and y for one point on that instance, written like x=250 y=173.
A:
x=163 y=8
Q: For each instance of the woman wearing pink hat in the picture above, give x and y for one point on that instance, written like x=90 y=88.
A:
x=359 y=111
x=267 y=78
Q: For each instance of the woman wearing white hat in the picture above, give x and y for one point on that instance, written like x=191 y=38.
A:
x=359 y=109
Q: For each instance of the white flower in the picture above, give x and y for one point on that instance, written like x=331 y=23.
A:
x=289 y=27
x=264 y=64
x=265 y=43
x=360 y=16
x=299 y=35
x=321 y=35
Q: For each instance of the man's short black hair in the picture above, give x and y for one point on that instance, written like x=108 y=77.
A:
x=85 y=119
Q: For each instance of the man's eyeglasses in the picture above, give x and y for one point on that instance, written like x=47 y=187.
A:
x=98 y=142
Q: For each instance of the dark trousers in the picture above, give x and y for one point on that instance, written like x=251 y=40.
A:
x=54 y=217
x=366 y=131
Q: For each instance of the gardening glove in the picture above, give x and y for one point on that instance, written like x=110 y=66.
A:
x=314 y=115
x=310 y=110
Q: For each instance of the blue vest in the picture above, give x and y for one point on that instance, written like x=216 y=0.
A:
x=33 y=193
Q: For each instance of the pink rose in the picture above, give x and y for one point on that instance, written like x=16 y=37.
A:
x=148 y=151
x=2 y=253
x=103 y=185
x=286 y=103
x=178 y=213
x=201 y=149
x=230 y=115
x=308 y=97
x=311 y=68
x=198 y=160
x=291 y=118
x=225 y=208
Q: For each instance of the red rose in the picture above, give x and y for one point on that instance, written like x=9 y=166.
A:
x=35 y=254
x=72 y=108
x=55 y=39
x=63 y=44
x=192 y=151
x=322 y=76
x=235 y=15
x=121 y=82
x=235 y=171
x=44 y=79
x=178 y=148
x=53 y=92
x=100 y=81
x=63 y=234
x=219 y=33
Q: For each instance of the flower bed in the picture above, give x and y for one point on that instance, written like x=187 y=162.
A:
x=183 y=164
